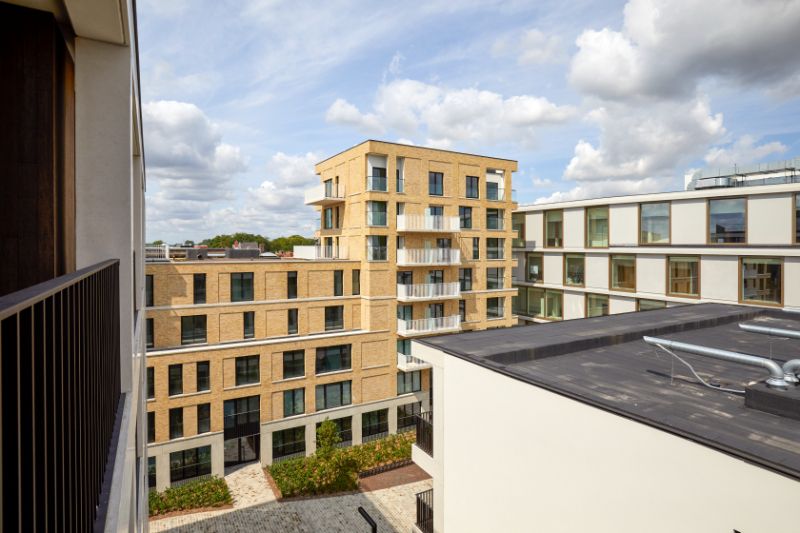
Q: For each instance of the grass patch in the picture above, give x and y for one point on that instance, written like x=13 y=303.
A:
x=211 y=492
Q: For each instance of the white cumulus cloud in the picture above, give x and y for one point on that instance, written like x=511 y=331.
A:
x=744 y=151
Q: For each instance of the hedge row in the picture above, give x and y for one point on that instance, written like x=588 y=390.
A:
x=211 y=492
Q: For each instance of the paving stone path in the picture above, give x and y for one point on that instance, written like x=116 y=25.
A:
x=256 y=509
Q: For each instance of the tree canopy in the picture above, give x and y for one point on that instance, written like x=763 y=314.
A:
x=279 y=244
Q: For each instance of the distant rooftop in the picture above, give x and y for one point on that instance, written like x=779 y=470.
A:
x=604 y=363
x=415 y=146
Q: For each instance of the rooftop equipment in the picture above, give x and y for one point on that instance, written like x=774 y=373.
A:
x=790 y=368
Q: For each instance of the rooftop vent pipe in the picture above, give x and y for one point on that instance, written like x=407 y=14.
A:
x=776 y=374
x=790 y=368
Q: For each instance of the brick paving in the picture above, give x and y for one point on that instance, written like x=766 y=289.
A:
x=256 y=509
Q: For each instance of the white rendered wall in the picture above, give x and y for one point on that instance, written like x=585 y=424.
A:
x=719 y=278
x=688 y=223
x=791 y=276
x=621 y=304
x=574 y=305
x=553 y=267
x=562 y=466
x=623 y=224
x=534 y=228
x=574 y=228
x=651 y=272
x=769 y=219
x=596 y=266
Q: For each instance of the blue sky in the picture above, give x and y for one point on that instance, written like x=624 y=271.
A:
x=241 y=98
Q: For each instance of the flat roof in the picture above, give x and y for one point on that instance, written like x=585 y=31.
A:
x=415 y=146
x=604 y=363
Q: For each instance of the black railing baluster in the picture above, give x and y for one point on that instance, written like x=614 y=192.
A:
x=424 y=422
x=425 y=511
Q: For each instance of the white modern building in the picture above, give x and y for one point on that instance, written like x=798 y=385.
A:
x=732 y=238
x=72 y=275
x=582 y=425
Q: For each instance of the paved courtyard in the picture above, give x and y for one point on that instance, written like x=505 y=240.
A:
x=255 y=509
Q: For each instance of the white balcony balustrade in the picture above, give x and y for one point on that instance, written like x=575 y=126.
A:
x=324 y=194
x=428 y=291
x=409 y=363
x=320 y=252
x=428 y=256
x=433 y=223
x=426 y=326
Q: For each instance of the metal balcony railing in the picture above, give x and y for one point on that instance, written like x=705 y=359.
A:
x=425 y=511
x=60 y=362
x=320 y=252
x=425 y=432
x=428 y=291
x=324 y=193
x=433 y=223
x=422 y=326
x=156 y=253
x=377 y=183
x=409 y=363
x=428 y=256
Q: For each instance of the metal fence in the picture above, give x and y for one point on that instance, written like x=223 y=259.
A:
x=425 y=432
x=425 y=511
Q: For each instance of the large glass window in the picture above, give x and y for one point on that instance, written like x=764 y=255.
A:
x=203 y=418
x=684 y=276
x=597 y=227
x=356 y=281
x=294 y=365
x=203 y=376
x=623 y=272
x=175 y=379
x=199 y=288
x=150 y=341
x=247 y=370
x=151 y=382
x=327 y=220
x=495 y=248
x=495 y=307
x=334 y=317
x=289 y=443
x=407 y=416
x=465 y=279
x=462 y=310
x=539 y=303
x=333 y=358
x=333 y=395
x=465 y=217
x=191 y=463
x=476 y=248
x=151 y=426
x=377 y=181
x=176 y=423
x=291 y=285
x=241 y=286
x=654 y=223
x=376 y=247
x=727 y=220
x=435 y=184
x=762 y=280
x=148 y=290
x=553 y=304
x=493 y=191
x=376 y=213
x=374 y=424
x=596 y=305
x=294 y=402
x=473 y=190
x=344 y=427
x=409 y=382
x=151 y=473
x=643 y=304
x=534 y=269
x=338 y=282
x=249 y=321
x=494 y=278
x=574 y=265
x=518 y=226
x=494 y=218
x=193 y=329
x=554 y=229
x=292 y=321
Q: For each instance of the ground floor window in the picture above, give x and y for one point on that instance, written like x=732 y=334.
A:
x=344 y=426
x=374 y=424
x=495 y=307
x=596 y=305
x=289 y=443
x=406 y=416
x=761 y=280
x=191 y=463
x=539 y=303
x=151 y=472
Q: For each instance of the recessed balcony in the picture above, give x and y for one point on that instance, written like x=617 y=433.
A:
x=428 y=256
x=409 y=363
x=428 y=291
x=325 y=194
x=427 y=326
x=428 y=223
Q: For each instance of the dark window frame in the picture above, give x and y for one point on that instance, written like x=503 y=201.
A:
x=248 y=370
x=203 y=375
x=326 y=356
x=290 y=361
x=435 y=183
x=242 y=286
x=335 y=321
x=199 y=288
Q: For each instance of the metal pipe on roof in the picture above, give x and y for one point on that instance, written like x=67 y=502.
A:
x=790 y=368
x=776 y=379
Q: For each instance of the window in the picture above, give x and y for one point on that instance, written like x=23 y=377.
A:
x=191 y=463
x=356 y=282
x=435 y=211
x=242 y=287
x=596 y=227
x=249 y=320
x=518 y=227
x=374 y=424
x=399 y=174
x=623 y=272
x=151 y=473
x=495 y=307
x=199 y=288
x=574 y=270
x=334 y=317
x=534 y=270
x=654 y=223
x=472 y=187
x=797 y=218
x=643 y=304
x=344 y=427
x=434 y=311
x=405 y=312
x=151 y=382
x=762 y=280
x=151 y=426
x=294 y=402
x=377 y=181
x=289 y=443
x=292 y=322
x=193 y=329
x=493 y=191
x=148 y=291
x=242 y=415
x=333 y=395
x=338 y=283
x=407 y=416
x=376 y=213
x=539 y=303
x=465 y=279
x=203 y=376
x=203 y=418
x=596 y=305
x=727 y=221
x=435 y=276
x=553 y=229
x=176 y=423
x=247 y=370
x=175 y=373
x=495 y=248
x=465 y=217
x=150 y=343
x=435 y=184
x=683 y=276
x=333 y=358
x=462 y=310
x=376 y=247
x=327 y=221
x=291 y=285
x=494 y=278
x=409 y=382
x=553 y=303
x=476 y=248
x=404 y=346
x=294 y=365
x=494 y=218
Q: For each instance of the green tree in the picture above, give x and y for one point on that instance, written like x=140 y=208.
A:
x=327 y=438
x=158 y=242
x=226 y=241
x=285 y=244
